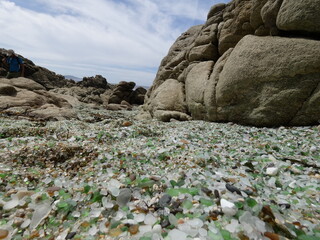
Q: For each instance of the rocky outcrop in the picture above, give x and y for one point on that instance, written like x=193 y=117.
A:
x=96 y=82
x=27 y=98
x=99 y=93
x=124 y=91
x=93 y=90
x=41 y=75
x=253 y=62
x=299 y=15
x=261 y=84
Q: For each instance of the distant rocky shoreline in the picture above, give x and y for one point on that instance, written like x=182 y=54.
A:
x=43 y=94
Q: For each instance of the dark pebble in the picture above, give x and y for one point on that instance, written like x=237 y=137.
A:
x=165 y=223
x=216 y=194
x=207 y=191
x=165 y=200
x=248 y=192
x=71 y=235
x=233 y=189
x=176 y=210
x=285 y=205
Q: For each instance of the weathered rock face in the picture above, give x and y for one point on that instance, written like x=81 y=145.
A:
x=261 y=84
x=124 y=91
x=27 y=98
x=254 y=62
x=95 y=90
x=299 y=15
x=41 y=75
x=97 y=82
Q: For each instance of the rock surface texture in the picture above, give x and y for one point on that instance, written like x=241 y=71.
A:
x=25 y=97
x=94 y=90
x=254 y=62
x=41 y=75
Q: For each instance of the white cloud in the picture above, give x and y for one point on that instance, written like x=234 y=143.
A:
x=121 y=40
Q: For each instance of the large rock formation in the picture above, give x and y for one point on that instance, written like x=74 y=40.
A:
x=124 y=91
x=254 y=62
x=95 y=90
x=41 y=75
x=27 y=98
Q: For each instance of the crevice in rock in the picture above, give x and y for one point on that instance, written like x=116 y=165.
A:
x=300 y=34
x=304 y=103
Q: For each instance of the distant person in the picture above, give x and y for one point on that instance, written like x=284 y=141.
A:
x=15 y=65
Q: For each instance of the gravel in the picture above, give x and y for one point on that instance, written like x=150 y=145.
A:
x=101 y=178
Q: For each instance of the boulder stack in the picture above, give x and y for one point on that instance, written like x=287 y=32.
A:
x=24 y=97
x=254 y=62
x=41 y=75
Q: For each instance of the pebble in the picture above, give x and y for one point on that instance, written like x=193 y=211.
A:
x=124 y=197
x=132 y=177
x=177 y=235
x=134 y=229
x=126 y=124
x=22 y=194
x=4 y=233
x=11 y=204
x=140 y=217
x=165 y=223
x=150 y=219
x=115 y=232
x=313 y=149
x=228 y=208
x=53 y=189
x=40 y=213
x=71 y=235
x=272 y=171
x=165 y=200
x=233 y=189
x=173 y=220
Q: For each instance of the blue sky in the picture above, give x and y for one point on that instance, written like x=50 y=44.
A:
x=123 y=40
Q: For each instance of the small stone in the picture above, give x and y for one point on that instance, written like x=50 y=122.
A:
x=233 y=189
x=132 y=177
x=176 y=234
x=165 y=223
x=11 y=204
x=51 y=190
x=71 y=235
x=25 y=224
x=233 y=226
x=155 y=178
x=195 y=223
x=216 y=194
x=203 y=232
x=134 y=229
x=126 y=124
x=140 y=217
x=272 y=171
x=150 y=219
x=313 y=149
x=4 y=233
x=22 y=194
x=40 y=213
x=173 y=220
x=228 y=208
x=124 y=197
x=165 y=200
x=207 y=191
x=114 y=191
x=115 y=232
x=106 y=203
x=85 y=224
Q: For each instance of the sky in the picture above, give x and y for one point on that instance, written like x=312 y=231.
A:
x=122 y=40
